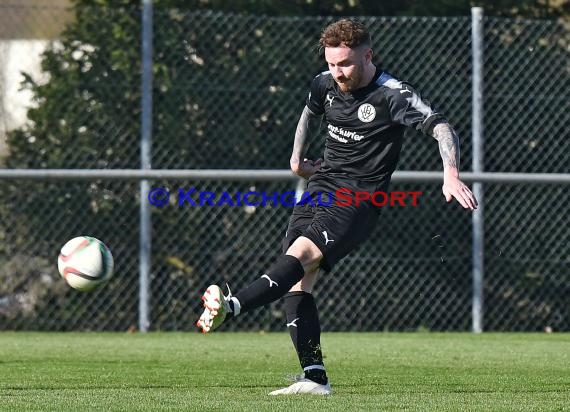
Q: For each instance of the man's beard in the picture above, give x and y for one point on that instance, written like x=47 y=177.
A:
x=344 y=87
x=347 y=85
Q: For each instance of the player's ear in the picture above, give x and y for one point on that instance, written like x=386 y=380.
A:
x=368 y=55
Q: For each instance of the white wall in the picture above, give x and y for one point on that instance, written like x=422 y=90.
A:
x=17 y=56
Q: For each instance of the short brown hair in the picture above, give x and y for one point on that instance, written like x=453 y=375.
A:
x=349 y=32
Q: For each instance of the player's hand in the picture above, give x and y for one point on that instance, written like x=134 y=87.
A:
x=455 y=188
x=306 y=168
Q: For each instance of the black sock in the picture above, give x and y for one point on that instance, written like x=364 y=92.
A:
x=277 y=281
x=305 y=330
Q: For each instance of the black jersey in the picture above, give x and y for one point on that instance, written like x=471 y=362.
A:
x=365 y=127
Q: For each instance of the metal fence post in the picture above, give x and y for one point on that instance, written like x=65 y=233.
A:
x=477 y=132
x=146 y=138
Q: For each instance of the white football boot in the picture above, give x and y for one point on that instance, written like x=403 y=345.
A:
x=304 y=386
x=216 y=308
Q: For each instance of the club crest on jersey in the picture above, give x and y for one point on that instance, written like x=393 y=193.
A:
x=366 y=112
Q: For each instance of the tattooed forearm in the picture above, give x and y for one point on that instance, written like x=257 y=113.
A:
x=308 y=125
x=448 y=144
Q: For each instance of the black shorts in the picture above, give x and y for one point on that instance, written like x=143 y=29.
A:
x=336 y=230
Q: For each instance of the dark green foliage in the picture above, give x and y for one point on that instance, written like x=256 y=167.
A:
x=504 y=8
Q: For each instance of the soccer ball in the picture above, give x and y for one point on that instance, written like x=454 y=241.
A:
x=85 y=263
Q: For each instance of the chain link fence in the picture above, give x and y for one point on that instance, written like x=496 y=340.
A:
x=227 y=91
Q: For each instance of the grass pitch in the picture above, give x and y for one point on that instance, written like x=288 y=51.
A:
x=235 y=371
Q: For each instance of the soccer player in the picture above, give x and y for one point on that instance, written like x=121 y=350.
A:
x=367 y=111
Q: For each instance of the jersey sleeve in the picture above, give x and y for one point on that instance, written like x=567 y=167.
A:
x=316 y=98
x=407 y=108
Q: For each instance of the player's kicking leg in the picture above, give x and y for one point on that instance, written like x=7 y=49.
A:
x=279 y=278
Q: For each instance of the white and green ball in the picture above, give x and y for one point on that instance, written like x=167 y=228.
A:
x=85 y=263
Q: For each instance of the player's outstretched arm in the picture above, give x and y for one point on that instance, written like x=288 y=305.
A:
x=308 y=126
x=453 y=187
